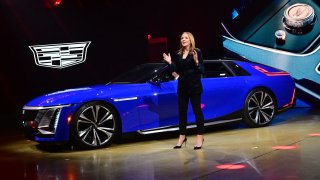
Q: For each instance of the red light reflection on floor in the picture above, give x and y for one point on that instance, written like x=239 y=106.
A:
x=231 y=166
x=202 y=106
x=283 y=147
x=314 y=134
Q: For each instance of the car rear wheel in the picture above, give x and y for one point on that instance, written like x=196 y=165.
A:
x=95 y=125
x=260 y=108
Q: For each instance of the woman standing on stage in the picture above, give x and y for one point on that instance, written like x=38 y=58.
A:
x=188 y=64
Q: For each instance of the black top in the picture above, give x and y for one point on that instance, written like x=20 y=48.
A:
x=189 y=81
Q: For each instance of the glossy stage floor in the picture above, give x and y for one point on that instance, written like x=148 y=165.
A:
x=288 y=149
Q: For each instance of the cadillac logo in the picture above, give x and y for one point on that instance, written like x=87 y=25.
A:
x=299 y=18
x=60 y=55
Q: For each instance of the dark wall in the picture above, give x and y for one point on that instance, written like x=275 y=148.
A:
x=201 y=17
x=117 y=30
x=118 y=41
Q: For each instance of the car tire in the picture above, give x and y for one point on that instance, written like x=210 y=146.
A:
x=260 y=108
x=95 y=125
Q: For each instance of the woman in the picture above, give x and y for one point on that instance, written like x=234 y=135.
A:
x=188 y=64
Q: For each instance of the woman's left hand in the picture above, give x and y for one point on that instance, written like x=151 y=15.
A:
x=195 y=57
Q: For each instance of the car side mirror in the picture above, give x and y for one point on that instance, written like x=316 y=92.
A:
x=155 y=80
x=159 y=79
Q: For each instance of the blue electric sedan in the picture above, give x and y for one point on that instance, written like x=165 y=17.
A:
x=144 y=100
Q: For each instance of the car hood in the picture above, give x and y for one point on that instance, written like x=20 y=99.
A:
x=83 y=94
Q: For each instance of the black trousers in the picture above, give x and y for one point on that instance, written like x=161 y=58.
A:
x=183 y=101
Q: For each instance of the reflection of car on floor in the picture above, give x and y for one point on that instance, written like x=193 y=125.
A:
x=250 y=29
x=145 y=100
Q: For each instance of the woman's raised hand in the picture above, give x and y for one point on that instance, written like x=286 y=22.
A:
x=167 y=58
x=195 y=57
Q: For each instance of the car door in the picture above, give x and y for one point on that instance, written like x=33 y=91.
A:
x=159 y=102
x=222 y=91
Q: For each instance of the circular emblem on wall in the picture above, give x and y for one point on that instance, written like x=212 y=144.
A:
x=299 y=18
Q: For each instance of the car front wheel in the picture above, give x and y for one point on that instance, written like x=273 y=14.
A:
x=95 y=125
x=260 y=108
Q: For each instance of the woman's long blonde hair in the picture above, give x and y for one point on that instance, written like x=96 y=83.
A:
x=192 y=43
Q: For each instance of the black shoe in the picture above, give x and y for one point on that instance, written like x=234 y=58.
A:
x=198 y=147
x=185 y=143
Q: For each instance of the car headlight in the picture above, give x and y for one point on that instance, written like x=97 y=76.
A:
x=44 y=119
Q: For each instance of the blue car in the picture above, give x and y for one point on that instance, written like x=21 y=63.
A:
x=144 y=100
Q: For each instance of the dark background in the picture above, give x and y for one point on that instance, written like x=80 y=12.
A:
x=117 y=29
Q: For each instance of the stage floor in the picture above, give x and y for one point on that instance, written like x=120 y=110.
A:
x=229 y=152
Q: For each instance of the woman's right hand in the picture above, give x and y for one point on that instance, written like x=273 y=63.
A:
x=167 y=58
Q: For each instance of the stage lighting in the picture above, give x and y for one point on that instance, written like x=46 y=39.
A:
x=52 y=3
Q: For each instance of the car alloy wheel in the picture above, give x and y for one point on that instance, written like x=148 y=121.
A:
x=259 y=108
x=94 y=126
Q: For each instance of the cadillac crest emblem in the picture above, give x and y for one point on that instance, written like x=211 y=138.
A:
x=60 y=55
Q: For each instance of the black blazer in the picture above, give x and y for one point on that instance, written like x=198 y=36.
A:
x=190 y=74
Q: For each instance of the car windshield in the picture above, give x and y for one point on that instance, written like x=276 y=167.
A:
x=139 y=74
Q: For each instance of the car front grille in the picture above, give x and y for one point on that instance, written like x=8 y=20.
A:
x=43 y=121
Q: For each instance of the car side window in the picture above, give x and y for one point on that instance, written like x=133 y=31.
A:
x=237 y=69
x=215 y=70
